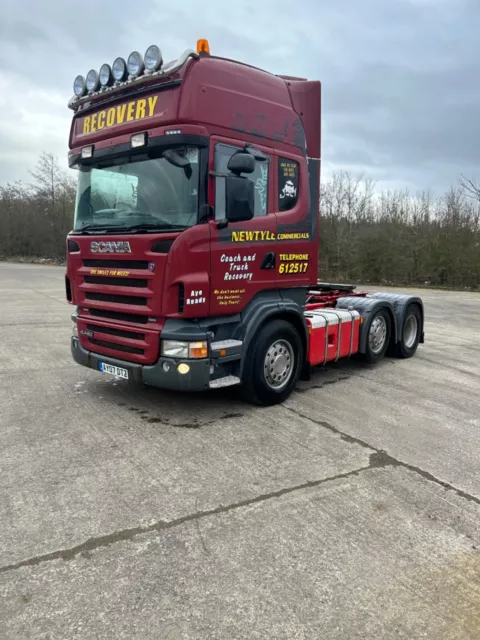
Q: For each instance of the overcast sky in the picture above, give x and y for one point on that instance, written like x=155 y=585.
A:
x=401 y=78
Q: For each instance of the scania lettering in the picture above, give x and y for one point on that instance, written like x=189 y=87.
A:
x=193 y=259
x=110 y=247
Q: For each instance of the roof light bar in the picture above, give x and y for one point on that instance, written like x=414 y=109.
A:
x=136 y=69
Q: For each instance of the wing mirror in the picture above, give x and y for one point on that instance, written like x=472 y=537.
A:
x=239 y=190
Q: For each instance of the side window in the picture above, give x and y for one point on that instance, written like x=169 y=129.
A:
x=287 y=184
x=260 y=176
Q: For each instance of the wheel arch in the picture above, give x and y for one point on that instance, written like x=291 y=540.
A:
x=288 y=311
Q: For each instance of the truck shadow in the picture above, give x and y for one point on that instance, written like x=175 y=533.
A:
x=337 y=372
x=195 y=410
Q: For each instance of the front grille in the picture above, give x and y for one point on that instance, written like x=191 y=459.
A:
x=141 y=283
x=118 y=315
x=116 y=264
x=120 y=333
x=114 y=346
x=115 y=298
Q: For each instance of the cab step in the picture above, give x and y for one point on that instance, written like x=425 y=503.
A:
x=227 y=381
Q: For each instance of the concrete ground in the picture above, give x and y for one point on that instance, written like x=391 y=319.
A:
x=353 y=511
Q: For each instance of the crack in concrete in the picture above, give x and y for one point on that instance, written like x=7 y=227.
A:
x=380 y=458
x=128 y=534
x=322 y=384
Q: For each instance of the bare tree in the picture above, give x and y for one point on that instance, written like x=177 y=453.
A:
x=470 y=187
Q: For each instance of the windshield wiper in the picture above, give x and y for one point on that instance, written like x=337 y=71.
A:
x=153 y=226
x=91 y=227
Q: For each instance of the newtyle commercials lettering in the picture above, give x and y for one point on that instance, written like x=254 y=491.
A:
x=266 y=236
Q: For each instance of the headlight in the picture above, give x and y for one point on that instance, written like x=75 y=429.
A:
x=105 y=75
x=153 y=58
x=174 y=349
x=79 y=86
x=119 y=69
x=135 y=64
x=178 y=349
x=92 y=80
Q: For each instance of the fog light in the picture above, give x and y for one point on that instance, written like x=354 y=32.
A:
x=87 y=152
x=183 y=368
x=166 y=367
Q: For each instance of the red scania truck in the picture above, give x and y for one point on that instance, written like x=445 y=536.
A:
x=193 y=261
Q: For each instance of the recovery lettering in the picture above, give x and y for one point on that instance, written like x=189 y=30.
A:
x=128 y=112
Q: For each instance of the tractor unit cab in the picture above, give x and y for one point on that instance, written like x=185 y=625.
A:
x=193 y=261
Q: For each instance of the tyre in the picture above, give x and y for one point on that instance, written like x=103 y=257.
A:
x=411 y=332
x=273 y=364
x=379 y=330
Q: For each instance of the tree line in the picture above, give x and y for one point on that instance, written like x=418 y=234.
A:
x=391 y=237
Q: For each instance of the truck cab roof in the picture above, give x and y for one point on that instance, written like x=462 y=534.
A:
x=224 y=96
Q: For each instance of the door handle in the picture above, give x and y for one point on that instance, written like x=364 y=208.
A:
x=269 y=261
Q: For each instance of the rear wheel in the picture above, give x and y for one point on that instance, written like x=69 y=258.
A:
x=273 y=364
x=410 y=334
x=379 y=329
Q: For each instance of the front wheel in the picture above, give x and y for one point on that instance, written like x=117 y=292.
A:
x=273 y=365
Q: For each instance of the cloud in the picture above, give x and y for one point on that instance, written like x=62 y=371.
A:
x=400 y=79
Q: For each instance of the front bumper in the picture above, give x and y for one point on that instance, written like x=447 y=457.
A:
x=197 y=378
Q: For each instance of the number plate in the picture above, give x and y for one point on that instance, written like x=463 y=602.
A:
x=113 y=371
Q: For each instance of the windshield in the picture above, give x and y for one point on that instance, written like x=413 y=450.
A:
x=142 y=193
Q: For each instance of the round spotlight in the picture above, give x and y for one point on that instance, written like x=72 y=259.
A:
x=105 y=75
x=79 y=86
x=153 y=58
x=135 y=64
x=92 y=80
x=119 y=69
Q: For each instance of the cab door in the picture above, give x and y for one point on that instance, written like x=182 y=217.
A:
x=243 y=256
x=296 y=205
